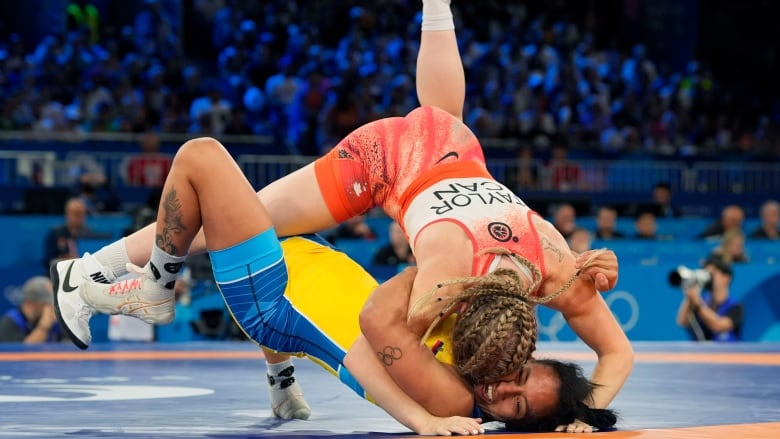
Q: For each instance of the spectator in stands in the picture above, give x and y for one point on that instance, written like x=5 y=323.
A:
x=770 y=221
x=645 y=226
x=146 y=213
x=565 y=219
x=397 y=251
x=580 y=240
x=606 y=224
x=61 y=242
x=341 y=116
x=150 y=167
x=527 y=175
x=97 y=196
x=732 y=217
x=34 y=320
x=89 y=183
x=353 y=228
x=616 y=99
x=731 y=249
x=83 y=16
x=714 y=315
x=662 y=199
x=564 y=174
x=211 y=113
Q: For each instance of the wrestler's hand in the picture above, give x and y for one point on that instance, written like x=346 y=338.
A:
x=602 y=269
x=575 y=427
x=452 y=425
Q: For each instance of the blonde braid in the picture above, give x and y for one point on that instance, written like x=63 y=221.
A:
x=494 y=337
x=513 y=287
x=497 y=332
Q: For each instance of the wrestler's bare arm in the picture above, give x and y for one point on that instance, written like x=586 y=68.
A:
x=587 y=313
x=590 y=318
x=383 y=324
x=443 y=253
x=364 y=365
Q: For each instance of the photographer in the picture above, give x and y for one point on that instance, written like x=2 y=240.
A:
x=713 y=315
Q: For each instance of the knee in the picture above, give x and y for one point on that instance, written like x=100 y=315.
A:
x=199 y=150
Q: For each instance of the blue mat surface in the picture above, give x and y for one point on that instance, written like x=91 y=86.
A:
x=218 y=390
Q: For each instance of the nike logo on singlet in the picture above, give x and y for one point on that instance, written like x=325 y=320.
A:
x=448 y=155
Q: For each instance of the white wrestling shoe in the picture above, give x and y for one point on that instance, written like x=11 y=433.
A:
x=286 y=396
x=138 y=296
x=72 y=312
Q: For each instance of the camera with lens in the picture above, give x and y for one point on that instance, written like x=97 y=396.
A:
x=687 y=277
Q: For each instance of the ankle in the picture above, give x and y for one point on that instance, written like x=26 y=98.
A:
x=280 y=375
x=165 y=267
x=437 y=16
x=113 y=257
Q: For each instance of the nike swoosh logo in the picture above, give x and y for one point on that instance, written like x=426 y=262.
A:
x=448 y=155
x=66 y=282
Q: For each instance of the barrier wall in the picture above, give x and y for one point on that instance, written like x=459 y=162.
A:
x=21 y=256
x=643 y=301
x=646 y=305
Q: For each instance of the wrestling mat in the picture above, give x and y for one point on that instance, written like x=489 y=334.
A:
x=218 y=390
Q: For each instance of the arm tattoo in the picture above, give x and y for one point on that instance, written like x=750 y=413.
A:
x=173 y=223
x=389 y=355
x=547 y=245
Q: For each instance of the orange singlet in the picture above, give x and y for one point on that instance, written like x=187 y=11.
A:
x=425 y=168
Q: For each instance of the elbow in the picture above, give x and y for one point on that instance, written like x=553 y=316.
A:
x=630 y=359
x=625 y=357
x=721 y=325
x=349 y=360
x=370 y=319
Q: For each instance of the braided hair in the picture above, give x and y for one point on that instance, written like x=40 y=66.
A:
x=497 y=332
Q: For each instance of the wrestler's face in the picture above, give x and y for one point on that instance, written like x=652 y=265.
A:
x=531 y=392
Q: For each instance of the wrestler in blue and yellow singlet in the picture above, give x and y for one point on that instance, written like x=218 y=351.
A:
x=302 y=297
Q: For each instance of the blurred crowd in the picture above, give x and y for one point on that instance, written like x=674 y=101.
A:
x=307 y=73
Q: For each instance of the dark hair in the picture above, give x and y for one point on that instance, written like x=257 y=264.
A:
x=663 y=185
x=575 y=392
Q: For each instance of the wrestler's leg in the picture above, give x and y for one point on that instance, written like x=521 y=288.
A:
x=204 y=188
x=298 y=207
x=440 y=78
x=294 y=203
x=284 y=391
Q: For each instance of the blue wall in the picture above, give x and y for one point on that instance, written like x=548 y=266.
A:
x=22 y=253
x=646 y=306
x=643 y=301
